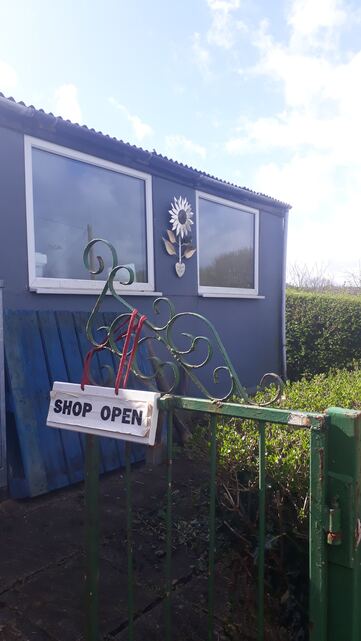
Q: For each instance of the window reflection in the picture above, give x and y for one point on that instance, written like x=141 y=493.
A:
x=226 y=238
x=75 y=202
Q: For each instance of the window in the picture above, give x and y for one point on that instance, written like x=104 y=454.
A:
x=73 y=198
x=228 y=247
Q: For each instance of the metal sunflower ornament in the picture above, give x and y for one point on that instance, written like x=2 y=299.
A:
x=181 y=220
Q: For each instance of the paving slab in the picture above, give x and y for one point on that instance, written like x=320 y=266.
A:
x=42 y=562
x=42 y=555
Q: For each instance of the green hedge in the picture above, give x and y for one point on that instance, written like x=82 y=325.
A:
x=323 y=332
x=287 y=450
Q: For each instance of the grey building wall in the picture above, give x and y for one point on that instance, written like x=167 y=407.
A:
x=250 y=329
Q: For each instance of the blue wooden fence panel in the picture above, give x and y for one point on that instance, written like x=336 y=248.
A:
x=41 y=347
x=57 y=371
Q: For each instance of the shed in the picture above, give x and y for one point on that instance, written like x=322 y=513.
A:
x=63 y=184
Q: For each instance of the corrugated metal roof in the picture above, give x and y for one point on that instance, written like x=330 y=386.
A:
x=152 y=154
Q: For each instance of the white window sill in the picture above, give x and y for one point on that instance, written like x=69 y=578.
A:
x=92 y=292
x=220 y=295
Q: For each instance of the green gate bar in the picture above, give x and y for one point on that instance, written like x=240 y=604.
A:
x=289 y=418
x=335 y=479
x=261 y=526
x=92 y=538
x=128 y=485
x=212 y=525
x=168 y=557
x=317 y=536
x=263 y=415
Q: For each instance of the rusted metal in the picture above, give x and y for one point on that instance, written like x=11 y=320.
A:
x=296 y=419
x=334 y=533
x=321 y=454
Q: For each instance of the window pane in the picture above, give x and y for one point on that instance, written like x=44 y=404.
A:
x=226 y=239
x=75 y=202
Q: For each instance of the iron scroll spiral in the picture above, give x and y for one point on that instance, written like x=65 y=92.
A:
x=191 y=358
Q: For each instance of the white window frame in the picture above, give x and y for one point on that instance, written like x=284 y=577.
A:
x=229 y=292
x=73 y=285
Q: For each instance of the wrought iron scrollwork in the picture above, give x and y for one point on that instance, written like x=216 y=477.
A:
x=196 y=351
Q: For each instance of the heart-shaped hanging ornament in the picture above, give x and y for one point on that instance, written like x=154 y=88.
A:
x=180 y=269
x=179 y=242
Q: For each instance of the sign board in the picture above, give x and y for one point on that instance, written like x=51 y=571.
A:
x=130 y=415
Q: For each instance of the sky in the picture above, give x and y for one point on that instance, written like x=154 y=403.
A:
x=264 y=94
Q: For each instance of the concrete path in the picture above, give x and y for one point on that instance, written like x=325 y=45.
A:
x=42 y=560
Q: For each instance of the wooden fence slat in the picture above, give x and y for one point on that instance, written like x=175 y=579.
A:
x=57 y=372
x=41 y=448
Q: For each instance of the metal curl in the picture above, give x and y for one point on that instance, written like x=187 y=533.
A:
x=279 y=385
x=113 y=274
x=164 y=334
x=114 y=330
x=156 y=310
x=236 y=387
x=194 y=340
x=88 y=257
x=93 y=320
x=216 y=379
x=158 y=366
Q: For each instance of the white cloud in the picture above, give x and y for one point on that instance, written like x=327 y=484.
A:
x=141 y=129
x=308 y=18
x=305 y=180
x=223 y=5
x=201 y=56
x=184 y=150
x=224 y=26
x=294 y=131
x=315 y=137
x=325 y=224
x=66 y=103
x=8 y=78
x=322 y=101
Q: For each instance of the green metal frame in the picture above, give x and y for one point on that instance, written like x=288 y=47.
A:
x=201 y=350
x=317 y=425
x=335 y=477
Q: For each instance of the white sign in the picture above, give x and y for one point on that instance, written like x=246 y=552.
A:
x=130 y=415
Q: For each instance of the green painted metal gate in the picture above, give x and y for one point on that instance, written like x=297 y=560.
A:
x=334 y=457
x=334 y=517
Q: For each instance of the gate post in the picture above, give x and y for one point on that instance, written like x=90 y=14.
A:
x=343 y=525
x=317 y=537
